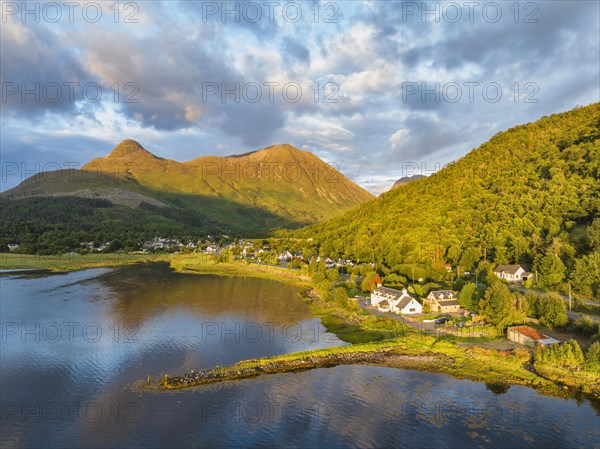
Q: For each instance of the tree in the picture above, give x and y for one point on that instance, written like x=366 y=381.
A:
x=370 y=282
x=552 y=310
x=395 y=280
x=577 y=354
x=593 y=234
x=532 y=304
x=320 y=273
x=551 y=270
x=592 y=358
x=499 y=306
x=586 y=275
x=468 y=296
x=332 y=275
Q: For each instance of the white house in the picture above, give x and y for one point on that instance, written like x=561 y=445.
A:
x=512 y=273
x=407 y=306
x=13 y=246
x=392 y=300
x=285 y=256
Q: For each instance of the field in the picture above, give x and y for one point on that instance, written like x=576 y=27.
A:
x=73 y=262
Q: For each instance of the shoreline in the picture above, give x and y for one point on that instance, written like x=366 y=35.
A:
x=75 y=262
x=414 y=350
x=387 y=355
x=374 y=340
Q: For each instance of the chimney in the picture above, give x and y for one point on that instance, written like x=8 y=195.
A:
x=405 y=291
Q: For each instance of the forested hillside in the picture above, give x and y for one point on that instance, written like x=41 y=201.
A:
x=528 y=195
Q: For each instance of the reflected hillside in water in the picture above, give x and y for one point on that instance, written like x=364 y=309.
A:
x=141 y=293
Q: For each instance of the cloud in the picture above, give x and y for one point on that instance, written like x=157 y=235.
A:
x=398 y=137
x=368 y=123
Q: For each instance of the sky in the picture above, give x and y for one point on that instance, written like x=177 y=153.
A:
x=381 y=89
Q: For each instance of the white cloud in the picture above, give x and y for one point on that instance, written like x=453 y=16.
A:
x=398 y=137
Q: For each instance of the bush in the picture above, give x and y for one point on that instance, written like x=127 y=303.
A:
x=552 y=310
x=592 y=358
x=564 y=355
x=586 y=327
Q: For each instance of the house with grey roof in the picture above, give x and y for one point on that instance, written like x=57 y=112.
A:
x=512 y=273
x=442 y=301
x=397 y=301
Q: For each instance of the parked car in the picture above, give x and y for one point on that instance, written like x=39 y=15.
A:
x=367 y=303
x=441 y=320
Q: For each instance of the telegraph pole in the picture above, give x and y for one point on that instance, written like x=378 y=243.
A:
x=569 y=296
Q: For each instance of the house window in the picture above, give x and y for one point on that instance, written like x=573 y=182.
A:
x=411 y=310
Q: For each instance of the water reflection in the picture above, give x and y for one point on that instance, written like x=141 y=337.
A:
x=73 y=343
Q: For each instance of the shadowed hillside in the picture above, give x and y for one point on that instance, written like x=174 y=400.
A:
x=247 y=195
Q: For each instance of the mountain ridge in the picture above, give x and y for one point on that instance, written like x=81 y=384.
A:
x=293 y=187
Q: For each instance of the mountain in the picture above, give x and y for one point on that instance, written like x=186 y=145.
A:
x=530 y=194
x=405 y=180
x=248 y=194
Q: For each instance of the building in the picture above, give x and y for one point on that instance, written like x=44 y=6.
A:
x=285 y=256
x=442 y=301
x=512 y=273
x=397 y=301
x=407 y=305
x=528 y=336
x=13 y=246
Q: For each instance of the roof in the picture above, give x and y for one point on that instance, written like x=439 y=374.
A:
x=510 y=269
x=404 y=302
x=447 y=302
x=548 y=341
x=388 y=291
x=444 y=293
x=528 y=332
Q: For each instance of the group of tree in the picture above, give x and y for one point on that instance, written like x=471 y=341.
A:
x=549 y=308
x=569 y=355
x=530 y=195
x=54 y=225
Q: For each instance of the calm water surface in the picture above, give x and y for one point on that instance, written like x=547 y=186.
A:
x=72 y=344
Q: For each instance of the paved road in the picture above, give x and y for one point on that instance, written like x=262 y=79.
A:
x=565 y=297
x=575 y=315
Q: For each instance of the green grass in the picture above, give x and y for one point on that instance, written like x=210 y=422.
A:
x=72 y=262
x=414 y=351
x=207 y=264
x=575 y=379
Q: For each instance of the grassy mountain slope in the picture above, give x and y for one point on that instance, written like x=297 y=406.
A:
x=250 y=194
x=527 y=192
x=281 y=179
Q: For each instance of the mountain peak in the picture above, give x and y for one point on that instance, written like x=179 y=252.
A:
x=129 y=148
x=281 y=146
x=405 y=180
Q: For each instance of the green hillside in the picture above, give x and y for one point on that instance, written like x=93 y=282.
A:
x=131 y=194
x=528 y=195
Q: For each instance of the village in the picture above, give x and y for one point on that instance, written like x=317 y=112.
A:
x=438 y=311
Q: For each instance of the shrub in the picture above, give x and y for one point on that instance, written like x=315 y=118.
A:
x=592 y=358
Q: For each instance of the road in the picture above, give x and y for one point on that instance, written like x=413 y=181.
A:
x=565 y=297
x=575 y=315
